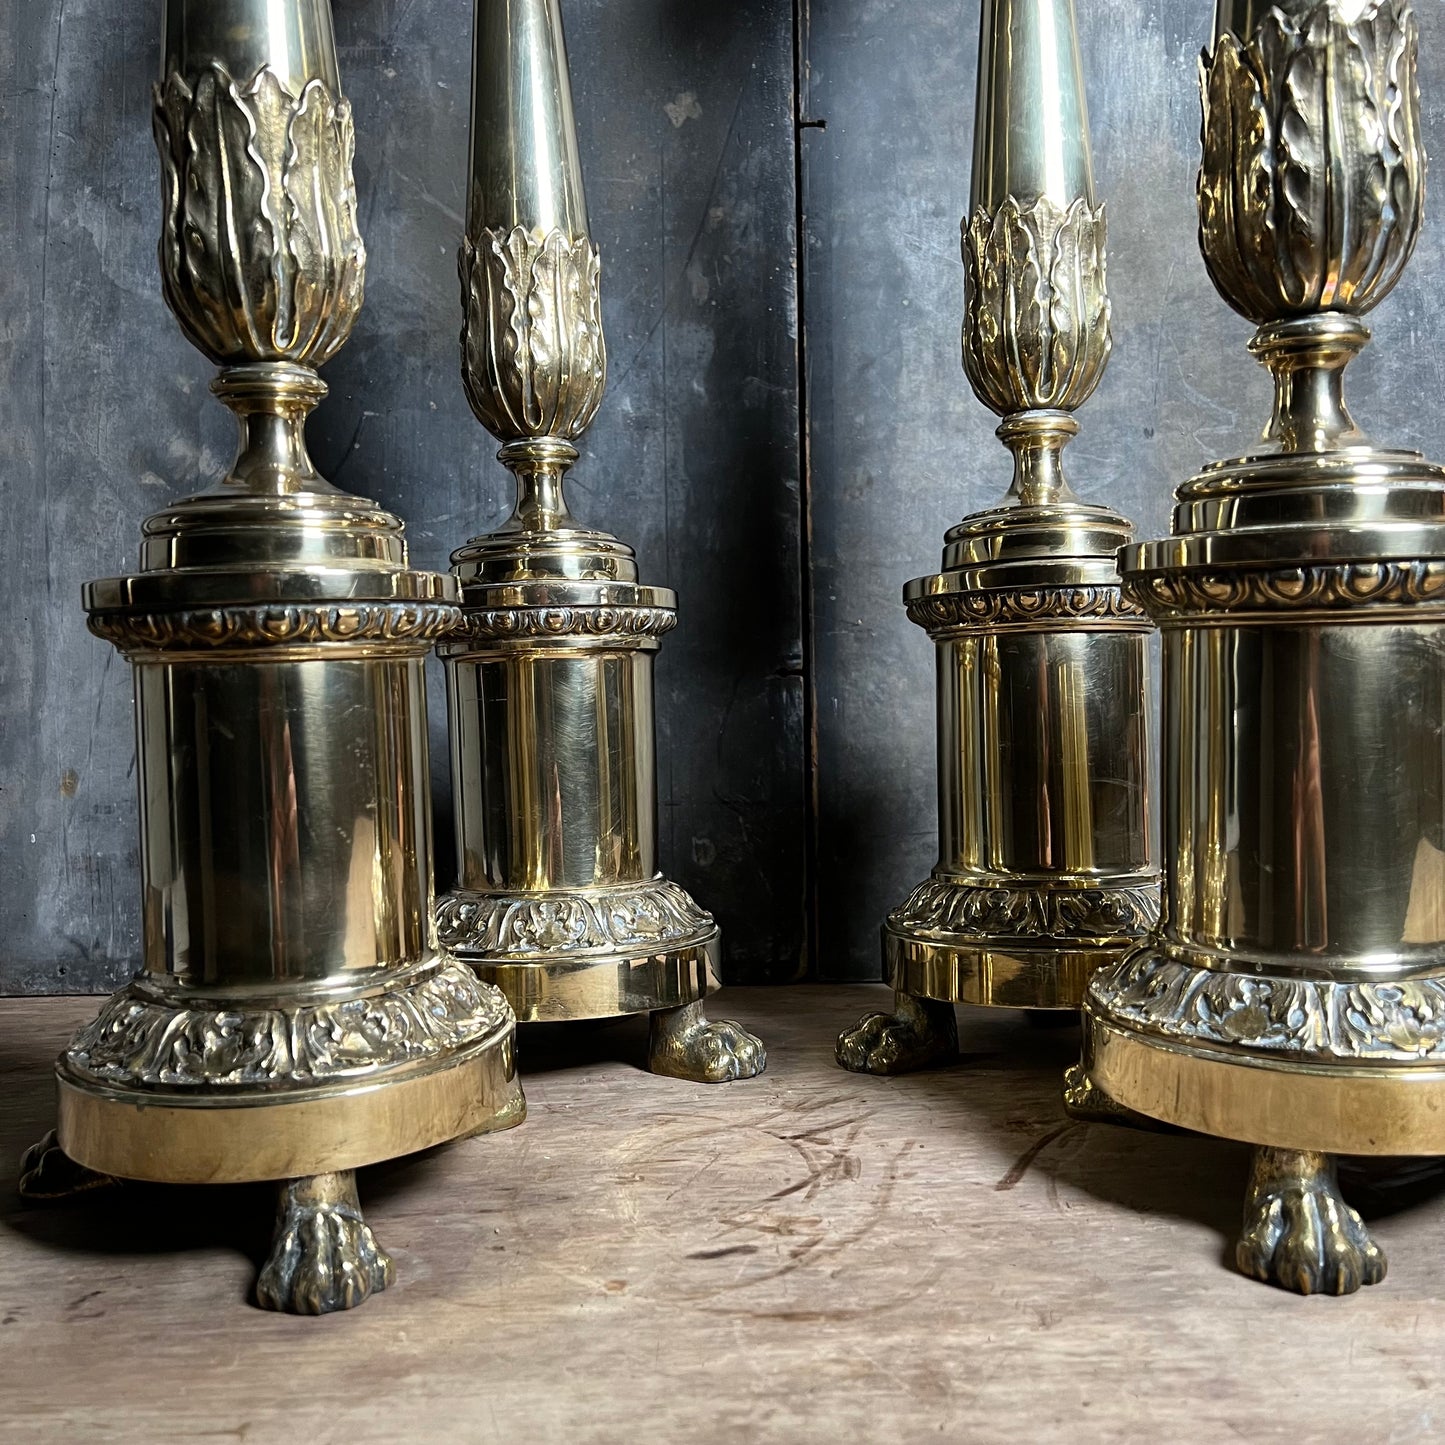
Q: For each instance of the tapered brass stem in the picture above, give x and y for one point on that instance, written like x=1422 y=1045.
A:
x=1045 y=861
x=524 y=167
x=559 y=900
x=294 y=1018
x=294 y=39
x=1031 y=118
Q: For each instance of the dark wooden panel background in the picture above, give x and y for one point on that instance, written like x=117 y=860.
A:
x=697 y=119
x=899 y=447
x=685 y=111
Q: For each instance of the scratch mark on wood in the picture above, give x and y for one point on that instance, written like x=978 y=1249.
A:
x=1025 y=1161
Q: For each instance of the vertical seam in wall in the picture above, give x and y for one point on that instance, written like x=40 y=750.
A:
x=809 y=961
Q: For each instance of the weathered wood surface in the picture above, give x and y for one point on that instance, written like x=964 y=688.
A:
x=685 y=119
x=901 y=449
x=811 y=1256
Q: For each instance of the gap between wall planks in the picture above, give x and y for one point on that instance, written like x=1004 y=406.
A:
x=686 y=119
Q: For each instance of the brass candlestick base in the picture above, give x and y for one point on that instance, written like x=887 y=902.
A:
x=294 y=1019
x=1042 y=693
x=1044 y=872
x=1294 y=994
x=550 y=698
x=560 y=902
x=550 y=693
x=586 y=954
x=182 y=1089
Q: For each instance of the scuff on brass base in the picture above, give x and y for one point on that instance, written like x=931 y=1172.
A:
x=1299 y=1232
x=683 y=1044
x=324 y=1256
x=920 y=1033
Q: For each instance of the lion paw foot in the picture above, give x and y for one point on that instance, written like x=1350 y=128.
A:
x=1298 y=1231
x=47 y=1172
x=324 y=1256
x=684 y=1044
x=918 y=1034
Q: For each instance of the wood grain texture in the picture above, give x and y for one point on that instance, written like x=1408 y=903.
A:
x=685 y=118
x=812 y=1256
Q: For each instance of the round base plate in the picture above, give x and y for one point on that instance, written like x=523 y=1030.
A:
x=1287 y=1104
x=994 y=974
x=222 y=1139
x=601 y=985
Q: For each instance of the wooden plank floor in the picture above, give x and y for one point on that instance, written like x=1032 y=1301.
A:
x=807 y=1256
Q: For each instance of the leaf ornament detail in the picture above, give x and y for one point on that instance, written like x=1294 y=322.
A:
x=1311 y=184
x=260 y=255
x=319 y=206
x=1036 y=304
x=533 y=356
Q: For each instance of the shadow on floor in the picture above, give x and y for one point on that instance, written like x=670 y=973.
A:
x=549 y=1048
x=135 y=1219
x=1009 y=1081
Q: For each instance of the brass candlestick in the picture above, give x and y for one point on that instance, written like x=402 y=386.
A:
x=294 y=1019
x=559 y=901
x=1044 y=870
x=1294 y=993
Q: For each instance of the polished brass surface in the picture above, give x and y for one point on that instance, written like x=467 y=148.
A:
x=295 y=1017
x=1294 y=991
x=559 y=901
x=1260 y=1099
x=1045 y=867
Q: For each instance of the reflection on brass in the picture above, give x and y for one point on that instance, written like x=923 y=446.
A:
x=559 y=900
x=1294 y=993
x=294 y=1018
x=1045 y=868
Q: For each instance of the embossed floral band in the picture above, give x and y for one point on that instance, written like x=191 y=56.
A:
x=559 y=902
x=294 y=1018
x=1045 y=867
x=1294 y=994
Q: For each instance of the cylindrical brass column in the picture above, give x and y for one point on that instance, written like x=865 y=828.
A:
x=1045 y=865
x=295 y=1018
x=1294 y=993
x=559 y=900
